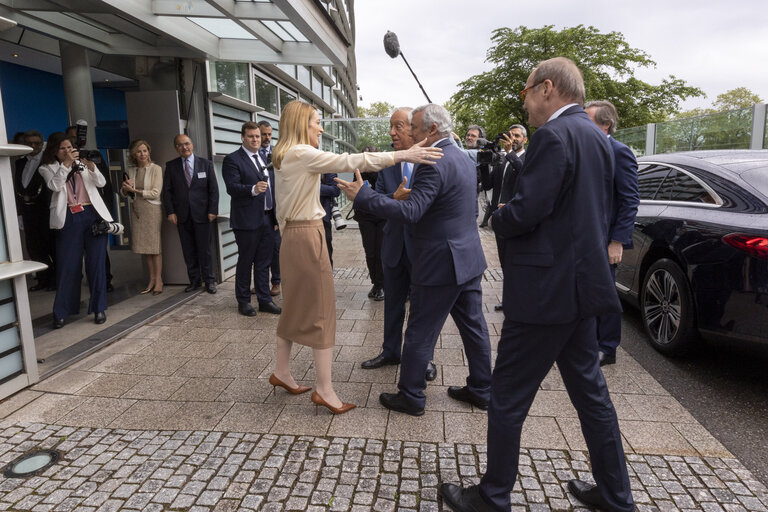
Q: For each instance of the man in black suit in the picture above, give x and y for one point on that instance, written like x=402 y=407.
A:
x=501 y=179
x=265 y=152
x=33 y=202
x=626 y=198
x=556 y=281
x=252 y=217
x=191 y=201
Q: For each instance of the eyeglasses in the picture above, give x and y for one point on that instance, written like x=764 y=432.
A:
x=524 y=92
x=183 y=144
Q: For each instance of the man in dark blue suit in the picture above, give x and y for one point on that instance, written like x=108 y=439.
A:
x=556 y=281
x=626 y=198
x=447 y=264
x=396 y=252
x=265 y=152
x=252 y=218
x=191 y=200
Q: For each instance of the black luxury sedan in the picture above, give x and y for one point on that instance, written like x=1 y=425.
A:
x=699 y=266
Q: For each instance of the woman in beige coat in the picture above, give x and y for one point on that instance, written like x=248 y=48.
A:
x=309 y=303
x=143 y=184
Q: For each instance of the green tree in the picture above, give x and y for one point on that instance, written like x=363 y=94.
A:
x=606 y=60
x=377 y=109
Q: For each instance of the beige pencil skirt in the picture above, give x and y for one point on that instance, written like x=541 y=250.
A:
x=306 y=278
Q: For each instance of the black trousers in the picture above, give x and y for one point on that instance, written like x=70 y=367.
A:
x=372 y=232
x=39 y=239
x=196 y=246
x=329 y=238
x=254 y=255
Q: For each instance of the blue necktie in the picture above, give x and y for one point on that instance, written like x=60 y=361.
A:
x=407 y=171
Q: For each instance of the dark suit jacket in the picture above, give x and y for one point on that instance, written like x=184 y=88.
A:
x=494 y=180
x=329 y=191
x=626 y=197
x=556 y=226
x=395 y=239
x=441 y=211
x=199 y=199
x=240 y=174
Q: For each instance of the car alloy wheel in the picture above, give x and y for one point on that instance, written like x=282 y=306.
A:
x=667 y=308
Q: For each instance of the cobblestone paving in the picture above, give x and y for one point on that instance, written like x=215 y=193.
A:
x=196 y=471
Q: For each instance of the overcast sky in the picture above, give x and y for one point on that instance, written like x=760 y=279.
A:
x=716 y=46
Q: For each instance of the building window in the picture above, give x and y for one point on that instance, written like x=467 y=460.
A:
x=304 y=76
x=266 y=95
x=317 y=85
x=285 y=98
x=231 y=78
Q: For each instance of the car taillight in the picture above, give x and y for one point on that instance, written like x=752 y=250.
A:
x=753 y=245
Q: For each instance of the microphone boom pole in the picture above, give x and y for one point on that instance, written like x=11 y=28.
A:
x=392 y=47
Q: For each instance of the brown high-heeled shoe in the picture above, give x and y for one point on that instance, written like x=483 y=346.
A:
x=299 y=389
x=318 y=400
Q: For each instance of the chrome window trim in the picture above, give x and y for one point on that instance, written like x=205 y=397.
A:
x=718 y=200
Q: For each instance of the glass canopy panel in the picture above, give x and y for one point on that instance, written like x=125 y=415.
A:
x=278 y=30
x=222 y=27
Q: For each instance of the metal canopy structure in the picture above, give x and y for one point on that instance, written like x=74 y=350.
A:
x=309 y=32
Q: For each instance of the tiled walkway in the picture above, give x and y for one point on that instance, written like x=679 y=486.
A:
x=179 y=416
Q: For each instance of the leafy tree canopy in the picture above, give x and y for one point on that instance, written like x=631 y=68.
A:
x=377 y=109
x=735 y=99
x=607 y=62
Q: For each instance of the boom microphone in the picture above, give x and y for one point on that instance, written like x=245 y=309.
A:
x=391 y=44
x=392 y=47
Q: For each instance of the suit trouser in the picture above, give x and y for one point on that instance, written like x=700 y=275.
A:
x=275 y=266
x=609 y=328
x=372 y=233
x=195 y=240
x=397 y=284
x=328 y=239
x=526 y=353
x=254 y=255
x=430 y=306
x=72 y=241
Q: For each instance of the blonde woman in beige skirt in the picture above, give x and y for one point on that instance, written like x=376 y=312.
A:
x=309 y=302
x=144 y=182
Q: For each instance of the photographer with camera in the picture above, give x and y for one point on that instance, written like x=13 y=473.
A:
x=76 y=207
x=329 y=191
x=504 y=169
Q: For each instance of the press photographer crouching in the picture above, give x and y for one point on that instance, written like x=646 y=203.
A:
x=75 y=207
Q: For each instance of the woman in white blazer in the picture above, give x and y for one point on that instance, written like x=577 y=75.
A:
x=75 y=207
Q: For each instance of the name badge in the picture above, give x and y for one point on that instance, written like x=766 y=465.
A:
x=77 y=208
x=200 y=175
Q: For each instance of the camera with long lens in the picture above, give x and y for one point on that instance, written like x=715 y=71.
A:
x=490 y=153
x=105 y=227
x=338 y=220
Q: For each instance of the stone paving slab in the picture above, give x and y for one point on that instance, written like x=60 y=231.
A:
x=197 y=470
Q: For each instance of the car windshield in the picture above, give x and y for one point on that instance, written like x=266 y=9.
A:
x=758 y=178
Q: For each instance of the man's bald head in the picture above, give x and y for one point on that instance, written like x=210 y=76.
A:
x=565 y=77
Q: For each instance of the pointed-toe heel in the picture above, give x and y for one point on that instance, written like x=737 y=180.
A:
x=318 y=401
x=299 y=389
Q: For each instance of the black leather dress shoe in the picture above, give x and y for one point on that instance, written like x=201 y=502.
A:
x=498 y=307
x=245 y=309
x=587 y=494
x=431 y=373
x=58 y=323
x=378 y=295
x=372 y=291
x=398 y=402
x=464 y=500
x=99 y=318
x=110 y=288
x=606 y=358
x=270 y=307
x=192 y=287
x=463 y=394
x=379 y=361
x=210 y=288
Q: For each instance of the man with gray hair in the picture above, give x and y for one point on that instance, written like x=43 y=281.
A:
x=447 y=264
x=556 y=281
x=626 y=198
